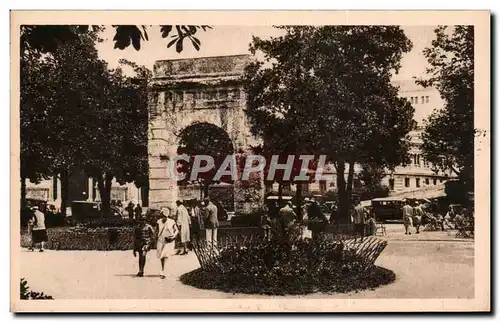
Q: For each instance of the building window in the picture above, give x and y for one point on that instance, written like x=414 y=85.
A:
x=416 y=99
x=411 y=99
x=422 y=100
x=417 y=182
x=418 y=160
x=407 y=182
x=427 y=99
x=391 y=184
x=434 y=181
x=441 y=180
x=427 y=181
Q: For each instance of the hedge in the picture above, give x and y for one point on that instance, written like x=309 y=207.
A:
x=110 y=238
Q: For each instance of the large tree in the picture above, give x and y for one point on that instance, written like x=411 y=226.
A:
x=98 y=126
x=448 y=138
x=332 y=86
x=47 y=38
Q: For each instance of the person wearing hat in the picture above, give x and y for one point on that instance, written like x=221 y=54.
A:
x=407 y=216
x=143 y=235
x=38 y=230
x=167 y=230
x=183 y=222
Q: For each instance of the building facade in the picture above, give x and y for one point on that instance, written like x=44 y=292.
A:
x=419 y=173
x=81 y=188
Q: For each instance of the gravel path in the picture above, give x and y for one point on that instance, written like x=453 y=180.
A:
x=424 y=269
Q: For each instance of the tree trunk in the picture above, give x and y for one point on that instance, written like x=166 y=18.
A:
x=104 y=185
x=23 y=192
x=350 y=179
x=145 y=194
x=106 y=198
x=64 y=190
x=342 y=194
x=206 y=185
x=298 y=197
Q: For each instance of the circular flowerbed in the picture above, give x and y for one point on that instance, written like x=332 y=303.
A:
x=301 y=267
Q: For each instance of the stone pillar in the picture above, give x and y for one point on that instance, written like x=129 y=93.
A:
x=163 y=190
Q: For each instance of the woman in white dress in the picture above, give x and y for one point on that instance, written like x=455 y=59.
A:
x=167 y=231
x=183 y=223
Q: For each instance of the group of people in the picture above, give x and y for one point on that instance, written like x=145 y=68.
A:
x=311 y=219
x=420 y=216
x=132 y=210
x=179 y=223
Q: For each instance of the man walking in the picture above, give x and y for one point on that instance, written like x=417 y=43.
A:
x=38 y=231
x=211 y=222
x=407 y=217
x=359 y=220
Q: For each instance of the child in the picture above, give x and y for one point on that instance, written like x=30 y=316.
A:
x=143 y=235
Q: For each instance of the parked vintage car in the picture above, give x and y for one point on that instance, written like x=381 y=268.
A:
x=387 y=209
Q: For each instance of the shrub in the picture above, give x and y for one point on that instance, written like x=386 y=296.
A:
x=248 y=220
x=27 y=294
x=298 y=267
x=115 y=221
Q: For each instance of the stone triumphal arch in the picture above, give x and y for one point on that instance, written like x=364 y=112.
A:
x=189 y=91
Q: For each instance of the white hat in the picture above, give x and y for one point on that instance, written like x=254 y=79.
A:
x=164 y=211
x=34 y=208
x=306 y=199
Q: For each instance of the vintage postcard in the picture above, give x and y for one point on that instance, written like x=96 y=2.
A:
x=239 y=161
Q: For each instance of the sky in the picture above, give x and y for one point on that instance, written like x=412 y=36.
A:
x=230 y=40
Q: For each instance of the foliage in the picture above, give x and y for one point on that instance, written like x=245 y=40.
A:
x=246 y=220
x=69 y=123
x=327 y=90
x=448 y=139
x=47 y=38
x=204 y=139
x=456 y=192
x=27 y=294
x=278 y=268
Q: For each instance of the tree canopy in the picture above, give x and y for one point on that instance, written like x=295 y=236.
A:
x=327 y=90
x=448 y=138
x=70 y=123
x=47 y=38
